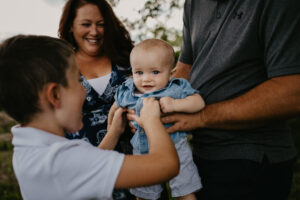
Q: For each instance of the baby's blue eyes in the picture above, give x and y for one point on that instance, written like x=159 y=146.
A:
x=154 y=72
x=140 y=72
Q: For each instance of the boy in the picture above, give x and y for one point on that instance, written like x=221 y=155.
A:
x=40 y=88
x=152 y=62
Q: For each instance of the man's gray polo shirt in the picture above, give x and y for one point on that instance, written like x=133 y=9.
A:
x=234 y=45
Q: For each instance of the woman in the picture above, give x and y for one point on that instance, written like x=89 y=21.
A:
x=102 y=46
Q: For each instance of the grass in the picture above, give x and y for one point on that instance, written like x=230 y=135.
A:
x=9 y=189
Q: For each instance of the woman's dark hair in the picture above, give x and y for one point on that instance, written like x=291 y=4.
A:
x=117 y=43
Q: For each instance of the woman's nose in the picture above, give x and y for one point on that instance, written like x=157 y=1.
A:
x=93 y=30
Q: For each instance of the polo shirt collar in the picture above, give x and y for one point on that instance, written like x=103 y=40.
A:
x=29 y=136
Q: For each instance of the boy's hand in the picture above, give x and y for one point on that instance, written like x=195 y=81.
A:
x=149 y=111
x=118 y=121
x=116 y=128
x=131 y=113
x=167 y=104
x=111 y=114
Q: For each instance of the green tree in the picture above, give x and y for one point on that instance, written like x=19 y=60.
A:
x=158 y=13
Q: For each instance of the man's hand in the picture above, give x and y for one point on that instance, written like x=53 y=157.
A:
x=182 y=122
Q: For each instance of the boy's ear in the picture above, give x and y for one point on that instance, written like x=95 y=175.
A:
x=53 y=95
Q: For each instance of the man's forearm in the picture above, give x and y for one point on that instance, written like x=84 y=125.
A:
x=182 y=70
x=275 y=99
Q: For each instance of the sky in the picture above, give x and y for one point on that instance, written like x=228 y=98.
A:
x=42 y=16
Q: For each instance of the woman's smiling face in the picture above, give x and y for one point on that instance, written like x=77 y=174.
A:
x=88 y=29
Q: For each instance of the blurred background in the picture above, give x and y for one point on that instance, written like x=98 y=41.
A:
x=143 y=18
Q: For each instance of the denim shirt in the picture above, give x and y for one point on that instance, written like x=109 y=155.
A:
x=125 y=97
x=96 y=107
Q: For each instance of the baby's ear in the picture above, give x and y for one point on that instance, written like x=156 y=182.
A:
x=52 y=93
x=172 y=73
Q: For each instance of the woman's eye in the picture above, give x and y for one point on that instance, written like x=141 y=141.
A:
x=101 y=25
x=155 y=72
x=85 y=24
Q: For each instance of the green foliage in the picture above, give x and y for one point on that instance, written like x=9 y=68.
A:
x=9 y=188
x=9 y=191
x=6 y=146
x=158 y=13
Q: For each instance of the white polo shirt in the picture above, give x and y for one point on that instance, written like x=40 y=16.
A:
x=49 y=167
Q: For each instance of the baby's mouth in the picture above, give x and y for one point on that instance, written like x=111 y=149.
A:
x=147 y=87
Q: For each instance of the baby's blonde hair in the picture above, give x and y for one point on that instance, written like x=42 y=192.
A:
x=151 y=44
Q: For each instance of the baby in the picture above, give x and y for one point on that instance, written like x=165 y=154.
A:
x=152 y=62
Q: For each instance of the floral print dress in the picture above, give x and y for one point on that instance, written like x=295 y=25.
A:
x=96 y=107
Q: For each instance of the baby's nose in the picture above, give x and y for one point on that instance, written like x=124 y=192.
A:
x=146 y=77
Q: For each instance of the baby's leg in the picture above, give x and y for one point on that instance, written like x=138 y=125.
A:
x=191 y=196
x=187 y=181
x=147 y=192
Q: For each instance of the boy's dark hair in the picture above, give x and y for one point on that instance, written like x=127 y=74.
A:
x=27 y=64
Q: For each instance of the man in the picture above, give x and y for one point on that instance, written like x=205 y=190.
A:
x=244 y=58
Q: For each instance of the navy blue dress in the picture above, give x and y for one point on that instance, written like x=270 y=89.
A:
x=96 y=107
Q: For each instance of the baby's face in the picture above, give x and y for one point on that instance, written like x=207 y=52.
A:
x=150 y=71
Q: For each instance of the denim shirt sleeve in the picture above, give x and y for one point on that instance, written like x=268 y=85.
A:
x=186 y=88
x=124 y=95
x=179 y=88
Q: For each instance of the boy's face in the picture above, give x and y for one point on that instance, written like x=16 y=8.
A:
x=72 y=98
x=150 y=69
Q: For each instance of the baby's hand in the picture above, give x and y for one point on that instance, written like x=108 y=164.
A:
x=167 y=104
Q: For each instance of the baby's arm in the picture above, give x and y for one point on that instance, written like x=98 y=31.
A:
x=161 y=163
x=190 y=104
x=116 y=128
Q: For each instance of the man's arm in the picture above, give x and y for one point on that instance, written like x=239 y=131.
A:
x=274 y=99
x=182 y=70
